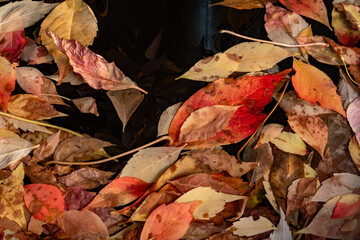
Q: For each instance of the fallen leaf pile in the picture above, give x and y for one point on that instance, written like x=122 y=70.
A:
x=298 y=180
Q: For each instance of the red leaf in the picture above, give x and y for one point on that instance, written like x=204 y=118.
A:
x=44 y=201
x=12 y=45
x=119 y=192
x=346 y=206
x=169 y=222
x=250 y=93
x=7 y=82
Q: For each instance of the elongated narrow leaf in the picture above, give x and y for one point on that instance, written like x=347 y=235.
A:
x=13 y=149
x=247 y=226
x=148 y=164
x=244 y=4
x=166 y=118
x=313 y=85
x=22 y=14
x=72 y=19
x=7 y=82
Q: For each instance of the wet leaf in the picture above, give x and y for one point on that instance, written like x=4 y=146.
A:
x=247 y=226
x=290 y=142
x=77 y=228
x=166 y=118
x=13 y=149
x=312 y=129
x=353 y=117
x=340 y=183
x=29 y=79
x=87 y=178
x=72 y=19
x=119 y=192
x=213 y=202
x=254 y=92
x=314 y=9
x=354 y=149
x=44 y=201
x=125 y=103
x=169 y=221
x=95 y=70
x=246 y=4
x=18 y=15
x=7 y=82
x=76 y=148
x=313 y=85
x=12 y=45
x=86 y=105
x=148 y=164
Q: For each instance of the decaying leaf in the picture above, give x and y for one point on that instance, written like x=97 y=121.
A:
x=34 y=54
x=268 y=133
x=7 y=82
x=148 y=164
x=125 y=103
x=119 y=192
x=290 y=142
x=314 y=9
x=72 y=19
x=31 y=107
x=76 y=228
x=49 y=92
x=313 y=85
x=352 y=14
x=346 y=90
x=354 y=149
x=22 y=14
x=13 y=149
x=312 y=129
x=166 y=118
x=254 y=93
x=76 y=148
x=353 y=116
x=212 y=202
x=323 y=225
x=264 y=158
x=86 y=105
x=244 y=4
x=44 y=201
x=169 y=221
x=244 y=57
x=343 y=31
x=47 y=147
x=77 y=198
x=220 y=161
x=247 y=226
x=29 y=79
x=340 y=183
x=25 y=126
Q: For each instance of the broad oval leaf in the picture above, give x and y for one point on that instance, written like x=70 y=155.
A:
x=13 y=149
x=348 y=205
x=72 y=19
x=29 y=79
x=169 y=222
x=247 y=226
x=353 y=115
x=44 y=201
x=119 y=192
x=148 y=164
x=290 y=142
x=313 y=85
x=7 y=82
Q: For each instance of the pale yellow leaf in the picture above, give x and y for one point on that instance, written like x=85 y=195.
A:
x=166 y=118
x=268 y=133
x=247 y=226
x=213 y=202
x=4 y=133
x=290 y=142
x=72 y=19
x=13 y=149
x=354 y=149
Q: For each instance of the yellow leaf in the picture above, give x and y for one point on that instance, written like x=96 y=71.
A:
x=7 y=133
x=291 y=143
x=72 y=19
x=269 y=132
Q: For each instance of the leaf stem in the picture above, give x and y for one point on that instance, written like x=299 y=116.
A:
x=267 y=117
x=275 y=43
x=347 y=72
x=56 y=95
x=41 y=123
x=116 y=156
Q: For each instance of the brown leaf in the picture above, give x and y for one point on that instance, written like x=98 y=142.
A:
x=40 y=174
x=31 y=107
x=327 y=166
x=29 y=79
x=47 y=147
x=76 y=148
x=49 y=92
x=86 y=178
x=34 y=54
x=347 y=90
x=77 y=198
x=264 y=158
x=342 y=27
x=86 y=105
x=244 y=4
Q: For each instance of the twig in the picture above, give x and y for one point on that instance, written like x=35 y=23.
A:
x=275 y=43
x=41 y=123
x=56 y=95
x=116 y=156
x=267 y=117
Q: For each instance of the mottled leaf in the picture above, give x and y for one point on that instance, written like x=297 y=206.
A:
x=12 y=45
x=77 y=198
x=347 y=90
x=7 y=82
x=269 y=132
x=86 y=105
x=343 y=31
x=352 y=14
x=29 y=79
x=34 y=54
x=247 y=226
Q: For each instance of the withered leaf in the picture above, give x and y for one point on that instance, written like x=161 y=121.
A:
x=86 y=105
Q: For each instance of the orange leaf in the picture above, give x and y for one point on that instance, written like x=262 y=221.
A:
x=7 y=82
x=313 y=85
x=250 y=93
x=119 y=192
x=169 y=222
x=44 y=201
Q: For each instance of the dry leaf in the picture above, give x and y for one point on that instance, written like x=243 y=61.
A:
x=354 y=149
x=313 y=85
x=343 y=31
x=346 y=90
x=125 y=103
x=25 y=126
x=40 y=174
x=244 y=57
x=77 y=198
x=148 y=164
x=290 y=142
x=247 y=226
x=244 y=4
x=29 y=79
x=47 y=147
x=353 y=116
x=22 y=14
x=31 y=107
x=86 y=105
x=282 y=231
x=72 y=19
x=352 y=14
x=49 y=92
x=13 y=149
x=212 y=202
x=76 y=148
x=12 y=45
x=7 y=82
x=166 y=118
x=264 y=158
x=269 y=132
x=34 y=54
